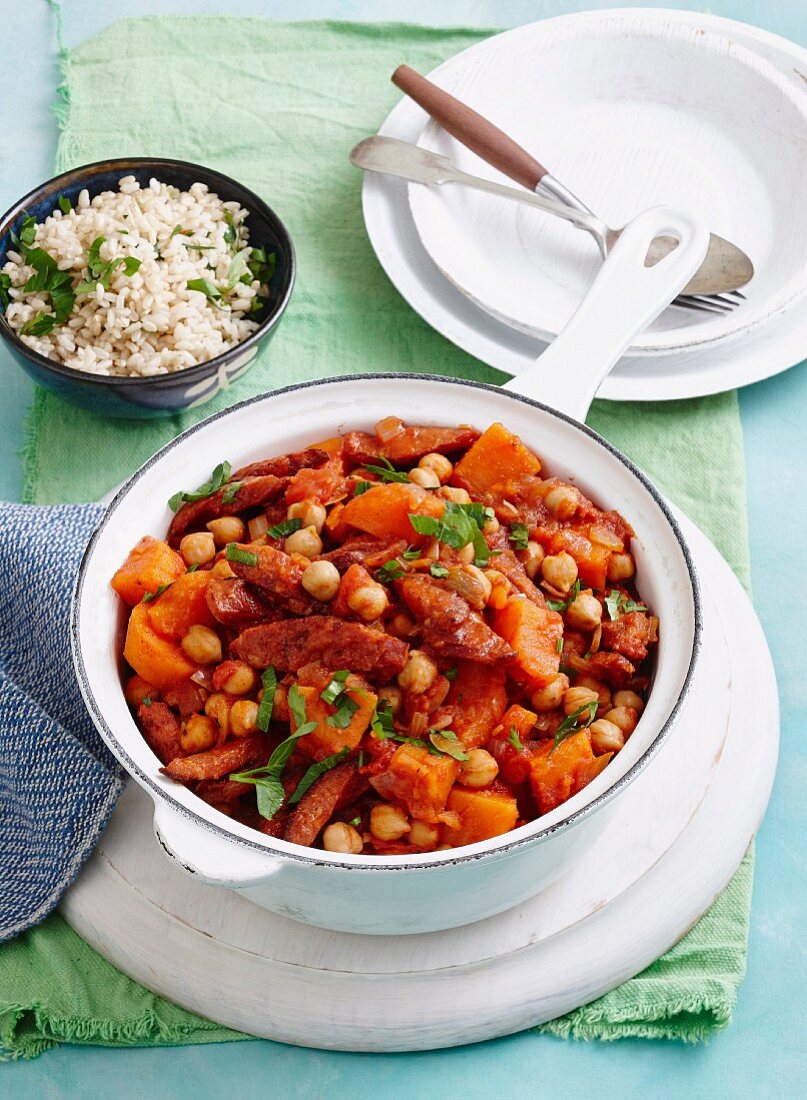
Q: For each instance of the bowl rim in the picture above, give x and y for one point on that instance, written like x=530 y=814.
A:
x=198 y=370
x=379 y=863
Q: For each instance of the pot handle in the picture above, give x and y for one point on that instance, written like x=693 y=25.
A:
x=623 y=299
x=215 y=858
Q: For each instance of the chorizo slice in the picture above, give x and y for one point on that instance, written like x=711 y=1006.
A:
x=233 y=603
x=366 y=550
x=187 y=697
x=329 y=793
x=409 y=445
x=284 y=465
x=252 y=493
x=449 y=628
x=292 y=643
x=218 y=762
x=161 y=730
x=614 y=668
x=278 y=575
x=630 y=634
x=215 y=791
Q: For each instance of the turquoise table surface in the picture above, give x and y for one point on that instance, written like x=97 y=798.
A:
x=763 y=1054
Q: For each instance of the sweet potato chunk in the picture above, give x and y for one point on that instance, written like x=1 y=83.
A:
x=449 y=628
x=328 y=739
x=418 y=781
x=161 y=730
x=218 y=762
x=331 y=791
x=158 y=660
x=497 y=456
x=477 y=700
x=292 y=643
x=384 y=510
x=181 y=606
x=482 y=814
x=533 y=632
x=556 y=775
x=150 y=564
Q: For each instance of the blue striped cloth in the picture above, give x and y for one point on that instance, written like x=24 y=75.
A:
x=58 y=781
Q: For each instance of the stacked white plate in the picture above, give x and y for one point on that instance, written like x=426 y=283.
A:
x=629 y=108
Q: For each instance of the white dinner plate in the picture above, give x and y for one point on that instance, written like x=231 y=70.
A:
x=769 y=347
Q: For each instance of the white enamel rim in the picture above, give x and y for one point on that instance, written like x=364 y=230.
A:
x=96 y=677
x=442 y=215
x=770 y=349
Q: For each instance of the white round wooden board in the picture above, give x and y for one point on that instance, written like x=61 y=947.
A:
x=673 y=846
x=768 y=349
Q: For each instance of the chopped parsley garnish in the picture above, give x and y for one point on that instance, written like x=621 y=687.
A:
x=230 y=233
x=515 y=740
x=559 y=645
x=262 y=265
x=561 y=605
x=26 y=236
x=48 y=279
x=204 y=286
x=65 y=205
x=343 y=715
x=519 y=535
x=101 y=270
x=192 y=568
x=618 y=604
x=382 y=722
x=336 y=686
x=387 y=471
x=266 y=705
x=212 y=485
x=146 y=701
x=5 y=286
x=572 y=723
x=361 y=487
x=354 y=822
x=437 y=569
x=232 y=552
x=287 y=527
x=451 y=673
x=231 y=492
x=447 y=742
x=391 y=570
x=315 y=771
x=458 y=525
x=149 y=596
x=179 y=231
x=412 y=553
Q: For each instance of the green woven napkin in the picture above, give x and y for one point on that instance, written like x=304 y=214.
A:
x=279 y=106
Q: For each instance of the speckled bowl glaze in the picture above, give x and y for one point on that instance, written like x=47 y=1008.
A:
x=160 y=395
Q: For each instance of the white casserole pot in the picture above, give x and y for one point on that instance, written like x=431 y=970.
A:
x=421 y=893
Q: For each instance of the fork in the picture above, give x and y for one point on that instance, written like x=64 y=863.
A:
x=713 y=289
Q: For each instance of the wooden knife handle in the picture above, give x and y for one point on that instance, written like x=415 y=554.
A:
x=474 y=131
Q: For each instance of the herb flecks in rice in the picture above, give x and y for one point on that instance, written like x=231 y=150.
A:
x=136 y=308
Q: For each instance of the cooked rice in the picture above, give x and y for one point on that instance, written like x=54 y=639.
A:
x=148 y=323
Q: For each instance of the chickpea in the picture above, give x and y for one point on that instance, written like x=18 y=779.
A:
x=369 y=601
x=458 y=496
x=243 y=718
x=242 y=680
x=629 y=699
x=227 y=529
x=439 y=464
x=467 y=554
x=321 y=580
x=551 y=696
x=584 y=612
x=562 y=501
x=418 y=674
x=306 y=541
x=392 y=696
x=341 y=837
x=491 y=525
x=218 y=706
x=479 y=770
x=559 y=570
x=137 y=689
x=402 y=625
x=199 y=733
x=222 y=569
x=620 y=567
x=422 y=834
x=425 y=478
x=280 y=707
x=605 y=736
x=198 y=549
x=310 y=512
x=624 y=717
x=202 y=645
x=532 y=558
x=602 y=690
x=387 y=822
x=578 y=697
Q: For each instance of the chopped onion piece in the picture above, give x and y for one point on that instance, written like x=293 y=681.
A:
x=605 y=537
x=388 y=428
x=258 y=526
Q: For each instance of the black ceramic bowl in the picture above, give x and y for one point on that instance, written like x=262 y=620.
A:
x=161 y=394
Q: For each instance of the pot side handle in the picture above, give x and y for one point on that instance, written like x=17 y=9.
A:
x=623 y=299
x=215 y=858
